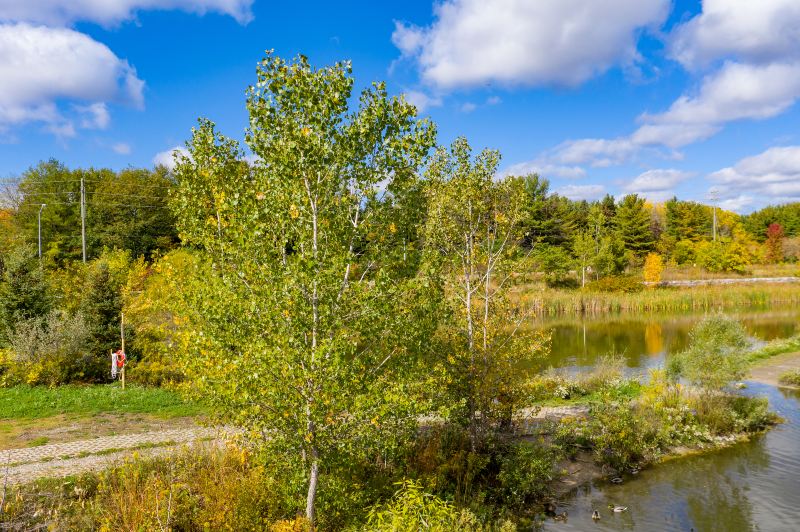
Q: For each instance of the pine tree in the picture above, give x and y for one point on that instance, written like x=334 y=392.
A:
x=633 y=226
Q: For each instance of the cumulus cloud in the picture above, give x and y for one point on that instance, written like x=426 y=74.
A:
x=774 y=173
x=96 y=115
x=544 y=169
x=762 y=31
x=657 y=184
x=596 y=152
x=759 y=78
x=582 y=192
x=167 y=157
x=736 y=204
x=518 y=42
x=468 y=107
x=657 y=180
x=40 y=66
x=735 y=92
x=422 y=101
x=110 y=12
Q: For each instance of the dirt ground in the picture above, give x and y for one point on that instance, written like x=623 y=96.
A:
x=769 y=371
x=19 y=433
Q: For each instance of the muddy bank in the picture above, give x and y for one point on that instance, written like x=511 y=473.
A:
x=768 y=371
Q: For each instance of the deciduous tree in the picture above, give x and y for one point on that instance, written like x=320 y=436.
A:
x=310 y=314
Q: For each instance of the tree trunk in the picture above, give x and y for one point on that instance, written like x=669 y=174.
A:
x=312 y=485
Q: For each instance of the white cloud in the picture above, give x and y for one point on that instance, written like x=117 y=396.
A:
x=468 y=107
x=167 y=157
x=493 y=100
x=546 y=42
x=756 y=31
x=597 y=152
x=774 y=173
x=122 y=148
x=96 y=115
x=110 y=12
x=760 y=79
x=545 y=170
x=737 y=91
x=582 y=192
x=658 y=180
x=736 y=204
x=422 y=101
x=40 y=66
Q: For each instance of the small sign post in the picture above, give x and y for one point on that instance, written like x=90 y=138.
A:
x=122 y=334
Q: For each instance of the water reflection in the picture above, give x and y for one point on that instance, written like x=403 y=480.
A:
x=751 y=486
x=645 y=341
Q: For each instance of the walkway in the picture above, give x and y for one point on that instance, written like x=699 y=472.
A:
x=63 y=459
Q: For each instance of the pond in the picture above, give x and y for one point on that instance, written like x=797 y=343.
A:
x=750 y=486
x=645 y=341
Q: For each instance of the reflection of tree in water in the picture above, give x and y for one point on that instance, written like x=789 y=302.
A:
x=790 y=393
x=716 y=486
x=653 y=338
x=581 y=341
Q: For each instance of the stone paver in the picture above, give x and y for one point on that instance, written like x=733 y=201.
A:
x=62 y=459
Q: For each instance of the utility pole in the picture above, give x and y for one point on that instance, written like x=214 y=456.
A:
x=122 y=334
x=83 y=219
x=713 y=195
x=43 y=205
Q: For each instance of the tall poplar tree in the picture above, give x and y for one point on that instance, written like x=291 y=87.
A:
x=309 y=312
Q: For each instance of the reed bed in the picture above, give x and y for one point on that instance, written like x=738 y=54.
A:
x=554 y=302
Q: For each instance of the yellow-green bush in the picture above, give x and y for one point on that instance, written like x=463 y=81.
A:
x=216 y=489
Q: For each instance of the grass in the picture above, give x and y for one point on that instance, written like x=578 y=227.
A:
x=555 y=302
x=774 y=348
x=37 y=402
x=680 y=273
x=790 y=378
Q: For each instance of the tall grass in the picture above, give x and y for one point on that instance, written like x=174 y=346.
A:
x=774 y=348
x=554 y=302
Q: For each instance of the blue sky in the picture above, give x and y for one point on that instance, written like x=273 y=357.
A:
x=647 y=96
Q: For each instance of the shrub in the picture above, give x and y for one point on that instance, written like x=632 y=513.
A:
x=411 y=509
x=620 y=438
x=49 y=350
x=715 y=356
x=616 y=283
x=790 y=378
x=526 y=473
x=219 y=489
x=726 y=414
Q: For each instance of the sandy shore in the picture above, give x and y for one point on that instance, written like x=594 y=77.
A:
x=769 y=371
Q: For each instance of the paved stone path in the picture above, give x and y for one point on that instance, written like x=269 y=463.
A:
x=63 y=459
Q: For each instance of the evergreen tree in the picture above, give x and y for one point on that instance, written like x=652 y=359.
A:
x=24 y=293
x=687 y=220
x=633 y=226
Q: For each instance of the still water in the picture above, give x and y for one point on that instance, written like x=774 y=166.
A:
x=750 y=486
x=645 y=341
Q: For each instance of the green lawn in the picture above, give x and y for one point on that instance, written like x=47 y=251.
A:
x=35 y=402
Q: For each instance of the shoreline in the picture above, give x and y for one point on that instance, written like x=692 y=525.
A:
x=769 y=370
